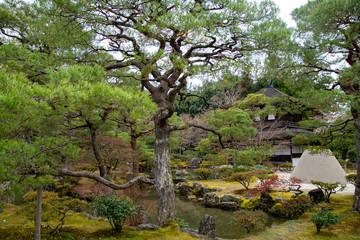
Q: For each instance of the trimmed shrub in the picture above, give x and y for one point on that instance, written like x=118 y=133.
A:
x=268 y=165
x=242 y=168
x=203 y=173
x=262 y=174
x=115 y=209
x=286 y=166
x=244 y=178
x=351 y=178
x=221 y=173
x=329 y=188
x=291 y=208
x=250 y=219
x=324 y=218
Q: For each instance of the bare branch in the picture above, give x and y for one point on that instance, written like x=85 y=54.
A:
x=209 y=130
x=96 y=177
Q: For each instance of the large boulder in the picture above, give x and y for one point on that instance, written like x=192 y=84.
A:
x=211 y=200
x=316 y=195
x=207 y=226
x=185 y=189
x=231 y=198
x=265 y=202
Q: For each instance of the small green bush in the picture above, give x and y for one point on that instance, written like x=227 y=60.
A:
x=244 y=178
x=292 y=208
x=351 y=178
x=181 y=222
x=221 y=173
x=324 y=218
x=286 y=166
x=242 y=168
x=329 y=188
x=262 y=174
x=115 y=209
x=203 y=173
x=250 y=219
x=268 y=165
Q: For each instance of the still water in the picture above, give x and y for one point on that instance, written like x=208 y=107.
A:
x=193 y=212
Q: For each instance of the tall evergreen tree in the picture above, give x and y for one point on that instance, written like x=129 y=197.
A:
x=330 y=36
x=162 y=44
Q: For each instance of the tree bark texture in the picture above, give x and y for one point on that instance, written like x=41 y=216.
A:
x=163 y=179
x=356 y=202
x=135 y=156
x=38 y=212
x=99 y=161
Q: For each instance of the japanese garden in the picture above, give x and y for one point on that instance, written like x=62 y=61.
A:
x=166 y=119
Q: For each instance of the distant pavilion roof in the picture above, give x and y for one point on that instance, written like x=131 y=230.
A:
x=270 y=91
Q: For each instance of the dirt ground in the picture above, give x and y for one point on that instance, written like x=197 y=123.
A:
x=350 y=188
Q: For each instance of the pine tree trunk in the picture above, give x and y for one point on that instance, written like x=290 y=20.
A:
x=135 y=156
x=356 y=203
x=98 y=158
x=163 y=179
x=38 y=213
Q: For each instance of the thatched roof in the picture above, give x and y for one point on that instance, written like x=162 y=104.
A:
x=321 y=166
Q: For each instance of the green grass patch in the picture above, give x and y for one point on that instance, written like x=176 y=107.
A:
x=347 y=228
x=15 y=226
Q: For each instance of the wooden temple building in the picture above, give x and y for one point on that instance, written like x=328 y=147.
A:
x=278 y=129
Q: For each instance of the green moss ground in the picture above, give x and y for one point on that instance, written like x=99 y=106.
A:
x=14 y=226
x=303 y=228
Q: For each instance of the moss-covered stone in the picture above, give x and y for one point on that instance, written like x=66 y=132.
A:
x=211 y=200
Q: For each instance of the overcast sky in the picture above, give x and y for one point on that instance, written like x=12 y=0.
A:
x=286 y=7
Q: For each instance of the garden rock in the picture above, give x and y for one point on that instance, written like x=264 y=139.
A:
x=316 y=195
x=231 y=198
x=205 y=190
x=194 y=163
x=179 y=180
x=207 y=226
x=191 y=197
x=145 y=218
x=211 y=200
x=181 y=173
x=184 y=189
x=230 y=206
x=147 y=226
x=265 y=202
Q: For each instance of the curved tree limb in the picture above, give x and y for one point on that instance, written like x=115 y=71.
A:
x=183 y=96
x=210 y=130
x=96 y=177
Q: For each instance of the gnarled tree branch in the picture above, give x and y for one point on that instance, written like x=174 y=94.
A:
x=96 y=177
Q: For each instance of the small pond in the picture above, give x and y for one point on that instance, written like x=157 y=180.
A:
x=193 y=212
